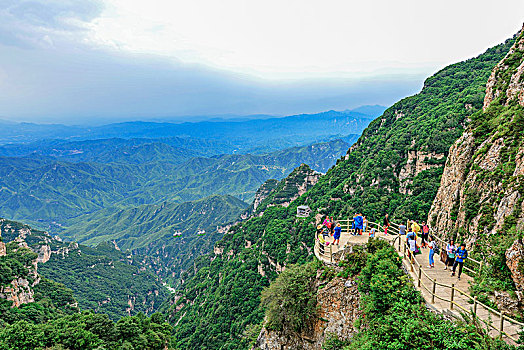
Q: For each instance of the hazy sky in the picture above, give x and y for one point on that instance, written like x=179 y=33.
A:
x=77 y=60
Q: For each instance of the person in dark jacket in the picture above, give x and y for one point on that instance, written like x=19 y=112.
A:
x=461 y=254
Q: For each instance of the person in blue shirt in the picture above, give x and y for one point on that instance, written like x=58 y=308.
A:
x=461 y=254
x=336 y=235
x=410 y=236
x=359 y=223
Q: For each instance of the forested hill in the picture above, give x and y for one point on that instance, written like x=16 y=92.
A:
x=48 y=192
x=39 y=313
x=167 y=236
x=395 y=168
x=102 y=278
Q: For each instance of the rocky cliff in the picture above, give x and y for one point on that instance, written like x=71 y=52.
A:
x=480 y=198
x=338 y=305
x=19 y=275
x=288 y=189
x=482 y=185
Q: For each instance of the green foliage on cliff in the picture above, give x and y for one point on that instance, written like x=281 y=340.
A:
x=105 y=284
x=290 y=301
x=219 y=300
x=395 y=316
x=422 y=126
x=17 y=263
x=100 y=278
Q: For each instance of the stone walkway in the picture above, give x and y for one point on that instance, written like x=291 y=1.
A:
x=441 y=276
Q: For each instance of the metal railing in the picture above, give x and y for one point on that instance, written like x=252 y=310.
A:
x=451 y=296
x=476 y=266
x=325 y=250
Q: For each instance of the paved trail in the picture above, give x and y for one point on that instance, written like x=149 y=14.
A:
x=440 y=275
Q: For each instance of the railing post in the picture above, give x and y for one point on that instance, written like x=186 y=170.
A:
x=501 y=328
x=433 y=292
x=452 y=296
x=475 y=305
x=419 y=275
x=400 y=239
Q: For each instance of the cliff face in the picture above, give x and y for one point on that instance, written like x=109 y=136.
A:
x=338 y=303
x=287 y=190
x=481 y=195
x=482 y=185
x=19 y=289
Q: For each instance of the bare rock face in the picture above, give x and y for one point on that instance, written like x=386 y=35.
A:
x=483 y=182
x=19 y=291
x=338 y=303
x=417 y=161
x=514 y=256
x=3 y=250
x=452 y=183
x=515 y=89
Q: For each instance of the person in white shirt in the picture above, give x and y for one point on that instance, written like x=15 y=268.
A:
x=432 y=245
x=450 y=250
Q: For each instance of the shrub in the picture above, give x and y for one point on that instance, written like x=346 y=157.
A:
x=290 y=300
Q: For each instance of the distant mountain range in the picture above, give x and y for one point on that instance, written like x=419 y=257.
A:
x=48 y=192
x=249 y=136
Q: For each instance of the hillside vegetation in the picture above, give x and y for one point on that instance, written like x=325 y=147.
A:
x=44 y=313
x=101 y=279
x=50 y=193
x=395 y=168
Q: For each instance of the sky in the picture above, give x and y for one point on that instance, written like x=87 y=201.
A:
x=93 y=61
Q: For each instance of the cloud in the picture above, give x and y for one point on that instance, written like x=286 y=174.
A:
x=40 y=23
x=92 y=86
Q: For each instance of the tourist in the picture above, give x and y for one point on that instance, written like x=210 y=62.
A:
x=412 y=242
x=365 y=224
x=336 y=236
x=425 y=234
x=402 y=229
x=359 y=222
x=432 y=246
x=410 y=236
x=353 y=229
x=372 y=232
x=461 y=254
x=386 y=224
x=320 y=228
x=415 y=227
x=450 y=253
x=325 y=232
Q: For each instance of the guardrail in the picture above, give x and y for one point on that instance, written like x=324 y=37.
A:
x=416 y=268
x=443 y=243
x=325 y=250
